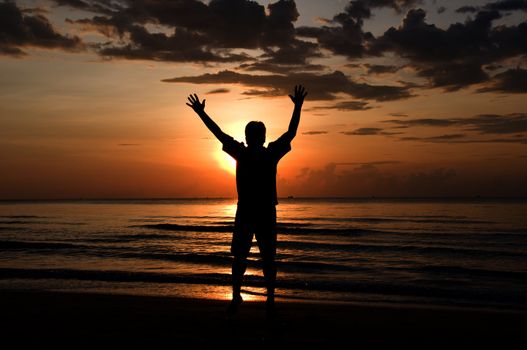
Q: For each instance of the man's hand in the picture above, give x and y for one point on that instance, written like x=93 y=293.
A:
x=197 y=106
x=300 y=94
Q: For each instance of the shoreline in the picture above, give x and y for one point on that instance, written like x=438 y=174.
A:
x=65 y=318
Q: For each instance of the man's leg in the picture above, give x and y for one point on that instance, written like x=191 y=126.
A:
x=239 y=265
x=269 y=271
x=241 y=245
x=267 y=245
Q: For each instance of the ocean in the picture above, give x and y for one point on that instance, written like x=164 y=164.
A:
x=444 y=253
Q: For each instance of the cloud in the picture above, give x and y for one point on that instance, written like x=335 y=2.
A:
x=320 y=86
x=182 y=46
x=194 y=30
x=314 y=133
x=368 y=132
x=467 y=9
x=436 y=139
x=423 y=122
x=345 y=35
x=482 y=124
x=507 y=5
x=453 y=58
x=96 y=6
x=381 y=69
x=19 y=29
x=364 y=131
x=368 y=180
x=511 y=126
x=292 y=57
x=502 y=5
x=462 y=138
x=374 y=163
x=266 y=66
x=219 y=91
x=510 y=81
x=344 y=106
x=262 y=38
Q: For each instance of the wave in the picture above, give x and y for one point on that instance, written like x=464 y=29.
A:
x=21 y=245
x=132 y=238
x=23 y=217
x=189 y=228
x=89 y=247
x=282 y=229
x=22 y=222
x=451 y=293
x=11 y=228
x=437 y=219
x=469 y=271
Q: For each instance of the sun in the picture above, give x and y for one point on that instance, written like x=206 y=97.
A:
x=226 y=162
x=237 y=130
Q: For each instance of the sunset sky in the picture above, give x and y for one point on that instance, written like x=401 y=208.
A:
x=406 y=97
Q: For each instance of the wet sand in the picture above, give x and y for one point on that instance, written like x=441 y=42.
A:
x=47 y=320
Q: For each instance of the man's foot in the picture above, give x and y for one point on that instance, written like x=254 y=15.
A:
x=232 y=309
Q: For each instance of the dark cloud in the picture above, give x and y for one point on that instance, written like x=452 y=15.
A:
x=368 y=180
x=219 y=91
x=510 y=81
x=507 y=5
x=96 y=6
x=437 y=139
x=360 y=9
x=462 y=139
x=417 y=40
x=314 y=132
x=294 y=56
x=182 y=46
x=280 y=68
x=297 y=52
x=197 y=31
x=423 y=122
x=381 y=69
x=441 y=9
x=453 y=58
x=369 y=132
x=374 y=163
x=279 y=30
x=502 y=5
x=346 y=38
x=345 y=35
x=345 y=106
x=320 y=86
x=452 y=76
x=19 y=29
x=482 y=124
x=467 y=9
x=223 y=31
x=497 y=124
x=363 y=132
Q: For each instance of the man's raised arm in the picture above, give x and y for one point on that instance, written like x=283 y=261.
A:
x=199 y=108
x=298 y=100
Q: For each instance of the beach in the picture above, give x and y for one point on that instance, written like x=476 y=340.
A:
x=357 y=274
x=49 y=319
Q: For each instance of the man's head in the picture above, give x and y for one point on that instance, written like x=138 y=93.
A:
x=255 y=134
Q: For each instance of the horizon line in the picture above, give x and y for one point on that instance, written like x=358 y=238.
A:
x=80 y=199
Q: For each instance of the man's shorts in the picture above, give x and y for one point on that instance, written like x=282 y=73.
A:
x=258 y=221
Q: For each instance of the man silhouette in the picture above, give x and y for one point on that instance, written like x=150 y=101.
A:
x=256 y=185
